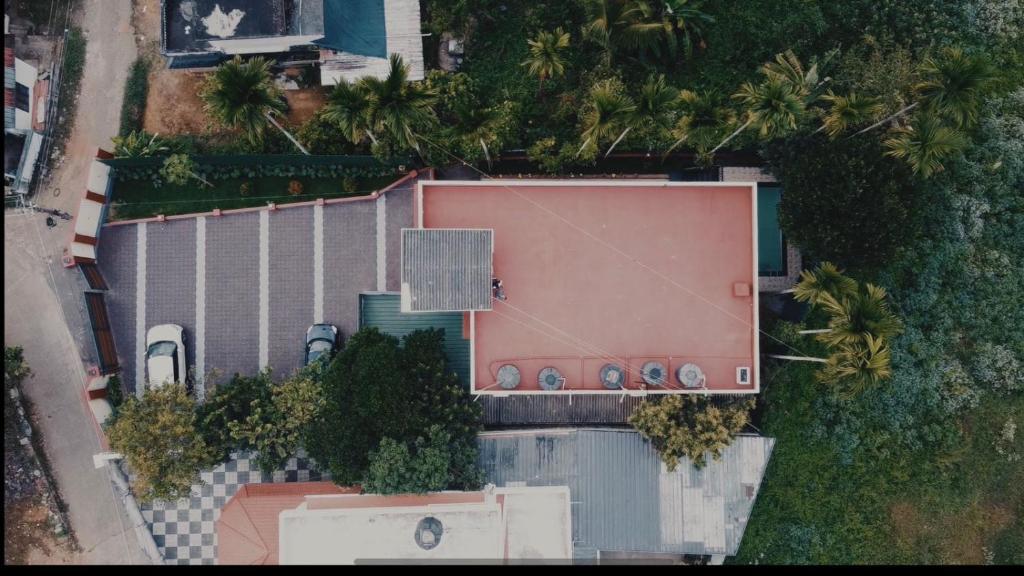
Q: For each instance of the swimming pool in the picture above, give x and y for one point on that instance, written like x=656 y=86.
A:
x=771 y=259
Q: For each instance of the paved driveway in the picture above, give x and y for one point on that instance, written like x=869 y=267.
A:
x=246 y=285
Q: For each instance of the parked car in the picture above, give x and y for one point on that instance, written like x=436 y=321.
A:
x=165 y=355
x=321 y=340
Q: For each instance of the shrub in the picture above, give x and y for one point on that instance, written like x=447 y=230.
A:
x=690 y=426
x=133 y=108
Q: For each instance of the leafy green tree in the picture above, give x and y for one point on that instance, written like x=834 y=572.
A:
x=179 y=169
x=399 y=108
x=15 y=367
x=376 y=389
x=140 y=144
x=477 y=129
x=160 y=441
x=546 y=55
x=643 y=27
x=924 y=144
x=228 y=403
x=691 y=426
x=844 y=201
x=275 y=428
x=242 y=95
x=397 y=468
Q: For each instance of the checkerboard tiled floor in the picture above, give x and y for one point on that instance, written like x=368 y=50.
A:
x=185 y=530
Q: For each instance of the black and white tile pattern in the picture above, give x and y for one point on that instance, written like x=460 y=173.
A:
x=185 y=530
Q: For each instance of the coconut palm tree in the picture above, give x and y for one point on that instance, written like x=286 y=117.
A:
x=475 y=125
x=847 y=111
x=924 y=144
x=242 y=95
x=773 y=108
x=607 y=112
x=654 y=107
x=398 y=107
x=825 y=280
x=546 y=60
x=951 y=86
x=856 y=316
x=606 y=18
x=857 y=367
x=701 y=122
x=348 y=106
x=687 y=20
x=788 y=68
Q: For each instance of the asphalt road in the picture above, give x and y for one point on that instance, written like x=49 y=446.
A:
x=43 y=307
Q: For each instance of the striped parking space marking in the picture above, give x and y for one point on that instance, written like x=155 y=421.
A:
x=140 y=310
x=318 y=264
x=200 y=374
x=264 y=289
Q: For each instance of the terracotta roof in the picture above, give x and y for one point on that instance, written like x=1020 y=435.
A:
x=247 y=528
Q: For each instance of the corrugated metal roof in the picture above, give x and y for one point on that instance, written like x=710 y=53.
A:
x=623 y=498
x=560 y=410
x=383 y=311
x=446 y=270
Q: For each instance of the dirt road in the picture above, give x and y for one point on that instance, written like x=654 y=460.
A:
x=43 y=309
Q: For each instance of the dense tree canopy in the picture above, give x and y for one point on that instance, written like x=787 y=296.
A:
x=691 y=426
x=376 y=389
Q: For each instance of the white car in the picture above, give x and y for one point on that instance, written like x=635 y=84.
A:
x=165 y=355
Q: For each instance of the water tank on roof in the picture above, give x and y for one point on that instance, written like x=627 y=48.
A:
x=654 y=373
x=508 y=376
x=690 y=376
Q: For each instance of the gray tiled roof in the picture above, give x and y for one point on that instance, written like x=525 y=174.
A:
x=623 y=498
x=446 y=270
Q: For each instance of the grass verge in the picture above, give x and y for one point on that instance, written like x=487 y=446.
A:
x=70 y=82
x=133 y=108
x=139 y=199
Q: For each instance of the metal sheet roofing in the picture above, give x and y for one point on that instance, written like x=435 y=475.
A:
x=446 y=270
x=355 y=26
x=383 y=311
x=623 y=497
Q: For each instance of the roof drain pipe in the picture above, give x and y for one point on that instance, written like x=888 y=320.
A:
x=142 y=533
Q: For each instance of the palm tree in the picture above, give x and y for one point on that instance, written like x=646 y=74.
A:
x=859 y=366
x=242 y=95
x=607 y=112
x=605 y=19
x=139 y=144
x=951 y=87
x=774 y=107
x=703 y=118
x=825 y=280
x=476 y=125
x=688 y=21
x=653 y=108
x=847 y=111
x=924 y=144
x=397 y=106
x=788 y=68
x=546 y=59
x=856 y=316
x=348 y=106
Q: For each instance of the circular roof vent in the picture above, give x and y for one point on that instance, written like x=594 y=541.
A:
x=550 y=379
x=428 y=533
x=612 y=376
x=508 y=376
x=690 y=376
x=654 y=373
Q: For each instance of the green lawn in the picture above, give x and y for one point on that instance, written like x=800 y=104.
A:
x=139 y=199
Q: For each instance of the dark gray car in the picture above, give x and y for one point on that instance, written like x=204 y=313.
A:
x=321 y=340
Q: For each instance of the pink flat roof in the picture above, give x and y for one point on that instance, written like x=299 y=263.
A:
x=604 y=271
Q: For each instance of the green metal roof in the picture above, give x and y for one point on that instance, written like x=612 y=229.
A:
x=356 y=27
x=383 y=311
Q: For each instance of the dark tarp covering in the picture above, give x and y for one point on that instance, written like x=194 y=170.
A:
x=356 y=27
